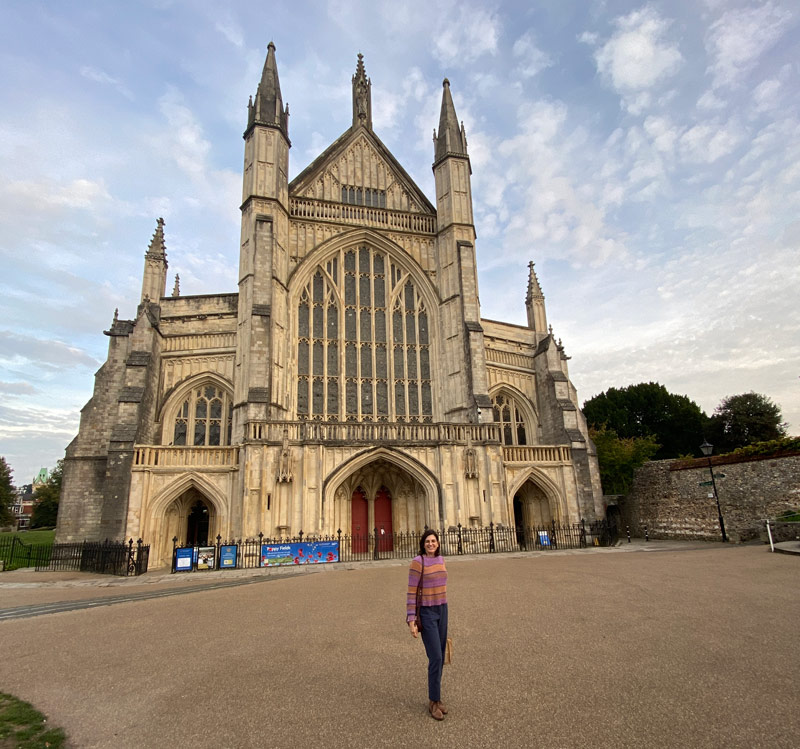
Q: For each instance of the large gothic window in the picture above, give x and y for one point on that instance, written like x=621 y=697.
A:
x=509 y=415
x=204 y=418
x=363 y=351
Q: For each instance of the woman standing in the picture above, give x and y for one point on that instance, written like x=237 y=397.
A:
x=429 y=565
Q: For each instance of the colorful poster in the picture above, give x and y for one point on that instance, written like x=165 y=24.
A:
x=183 y=559
x=316 y=552
x=205 y=557
x=227 y=557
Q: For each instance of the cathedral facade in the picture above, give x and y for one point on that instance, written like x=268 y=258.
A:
x=350 y=384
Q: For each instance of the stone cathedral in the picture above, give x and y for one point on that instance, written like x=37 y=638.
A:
x=350 y=384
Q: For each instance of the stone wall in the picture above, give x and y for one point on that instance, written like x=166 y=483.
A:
x=668 y=498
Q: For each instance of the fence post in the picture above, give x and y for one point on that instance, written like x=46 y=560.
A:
x=174 y=545
x=646 y=534
x=583 y=534
x=460 y=544
x=375 y=552
x=339 y=541
x=491 y=537
x=628 y=532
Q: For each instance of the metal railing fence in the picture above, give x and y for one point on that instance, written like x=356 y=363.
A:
x=102 y=557
x=455 y=540
x=15 y=553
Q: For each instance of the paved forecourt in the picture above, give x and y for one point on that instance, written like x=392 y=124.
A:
x=692 y=645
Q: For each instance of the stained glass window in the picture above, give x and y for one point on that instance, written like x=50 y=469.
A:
x=206 y=415
x=354 y=364
x=510 y=417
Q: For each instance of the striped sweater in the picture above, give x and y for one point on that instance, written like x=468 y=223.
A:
x=434 y=584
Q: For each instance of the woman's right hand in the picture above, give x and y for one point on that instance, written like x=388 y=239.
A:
x=413 y=627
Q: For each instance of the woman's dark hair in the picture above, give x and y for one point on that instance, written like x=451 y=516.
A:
x=422 y=538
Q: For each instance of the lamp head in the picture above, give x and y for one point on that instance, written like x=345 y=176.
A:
x=706 y=448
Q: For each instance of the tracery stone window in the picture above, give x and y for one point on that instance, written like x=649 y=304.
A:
x=364 y=196
x=509 y=415
x=363 y=351
x=204 y=418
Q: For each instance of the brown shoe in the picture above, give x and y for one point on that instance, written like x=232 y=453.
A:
x=435 y=711
x=442 y=707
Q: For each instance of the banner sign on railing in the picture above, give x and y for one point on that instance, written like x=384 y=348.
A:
x=315 y=552
x=183 y=558
x=227 y=556
x=204 y=557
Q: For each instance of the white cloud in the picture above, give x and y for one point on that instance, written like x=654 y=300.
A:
x=530 y=59
x=706 y=142
x=709 y=100
x=637 y=56
x=737 y=40
x=765 y=95
x=23 y=350
x=466 y=34
x=100 y=77
x=229 y=27
x=187 y=146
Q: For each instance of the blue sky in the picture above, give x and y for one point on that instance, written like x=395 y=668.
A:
x=646 y=156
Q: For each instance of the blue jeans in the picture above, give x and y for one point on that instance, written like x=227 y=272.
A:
x=434 y=635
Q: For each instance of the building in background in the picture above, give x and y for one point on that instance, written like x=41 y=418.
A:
x=350 y=384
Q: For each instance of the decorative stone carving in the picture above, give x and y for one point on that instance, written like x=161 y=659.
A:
x=285 y=463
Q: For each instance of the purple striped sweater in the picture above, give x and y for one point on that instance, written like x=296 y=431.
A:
x=434 y=584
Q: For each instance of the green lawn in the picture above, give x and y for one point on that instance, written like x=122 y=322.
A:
x=22 y=727
x=32 y=537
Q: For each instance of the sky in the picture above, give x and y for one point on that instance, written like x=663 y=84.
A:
x=645 y=155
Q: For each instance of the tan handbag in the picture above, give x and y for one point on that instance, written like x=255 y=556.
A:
x=448 y=652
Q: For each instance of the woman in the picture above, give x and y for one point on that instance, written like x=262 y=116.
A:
x=432 y=613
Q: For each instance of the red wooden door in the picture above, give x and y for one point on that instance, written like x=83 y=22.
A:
x=359 y=523
x=383 y=519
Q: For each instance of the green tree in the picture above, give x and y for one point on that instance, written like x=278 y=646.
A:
x=7 y=492
x=649 y=409
x=45 y=509
x=743 y=419
x=619 y=457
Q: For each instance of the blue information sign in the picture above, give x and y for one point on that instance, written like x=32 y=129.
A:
x=227 y=557
x=544 y=538
x=316 y=552
x=184 y=559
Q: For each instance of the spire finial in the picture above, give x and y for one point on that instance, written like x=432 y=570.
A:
x=362 y=96
x=268 y=106
x=451 y=138
x=176 y=289
x=158 y=248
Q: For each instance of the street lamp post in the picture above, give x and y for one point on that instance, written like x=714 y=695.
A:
x=707 y=449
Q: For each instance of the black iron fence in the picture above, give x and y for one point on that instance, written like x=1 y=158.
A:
x=15 y=553
x=456 y=540
x=103 y=557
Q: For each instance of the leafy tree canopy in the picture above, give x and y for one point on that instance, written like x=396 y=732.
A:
x=619 y=457
x=741 y=420
x=649 y=410
x=7 y=492
x=45 y=509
